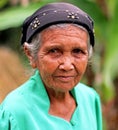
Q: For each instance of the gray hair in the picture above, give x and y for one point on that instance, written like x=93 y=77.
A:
x=34 y=46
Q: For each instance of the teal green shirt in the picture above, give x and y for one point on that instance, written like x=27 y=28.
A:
x=26 y=108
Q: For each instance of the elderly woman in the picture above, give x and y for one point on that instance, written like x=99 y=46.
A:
x=58 y=40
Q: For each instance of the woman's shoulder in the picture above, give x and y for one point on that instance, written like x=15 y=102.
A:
x=86 y=91
x=17 y=96
x=20 y=97
x=83 y=87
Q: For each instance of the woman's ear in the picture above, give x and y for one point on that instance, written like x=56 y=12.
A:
x=29 y=55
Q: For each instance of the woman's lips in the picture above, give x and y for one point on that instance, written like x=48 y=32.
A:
x=65 y=78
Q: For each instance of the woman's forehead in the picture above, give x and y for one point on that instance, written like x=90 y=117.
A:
x=68 y=35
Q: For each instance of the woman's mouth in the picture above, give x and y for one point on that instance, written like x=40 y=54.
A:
x=65 y=79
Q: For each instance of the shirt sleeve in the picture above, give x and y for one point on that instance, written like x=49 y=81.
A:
x=98 y=113
x=7 y=121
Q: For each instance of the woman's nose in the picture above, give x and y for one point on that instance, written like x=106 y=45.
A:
x=66 y=64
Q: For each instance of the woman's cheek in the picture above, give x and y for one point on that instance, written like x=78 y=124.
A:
x=47 y=65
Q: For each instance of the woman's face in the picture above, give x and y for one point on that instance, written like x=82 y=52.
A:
x=62 y=57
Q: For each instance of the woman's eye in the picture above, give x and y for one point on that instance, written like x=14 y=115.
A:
x=77 y=51
x=54 y=52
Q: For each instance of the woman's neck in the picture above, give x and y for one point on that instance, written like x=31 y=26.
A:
x=62 y=104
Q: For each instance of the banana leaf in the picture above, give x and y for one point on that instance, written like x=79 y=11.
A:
x=14 y=16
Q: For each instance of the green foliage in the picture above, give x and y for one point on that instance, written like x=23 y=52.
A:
x=110 y=64
x=14 y=16
x=3 y=3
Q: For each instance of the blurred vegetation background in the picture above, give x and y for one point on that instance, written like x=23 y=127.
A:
x=102 y=73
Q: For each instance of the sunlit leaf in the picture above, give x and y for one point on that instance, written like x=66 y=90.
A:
x=14 y=16
x=111 y=55
x=3 y=3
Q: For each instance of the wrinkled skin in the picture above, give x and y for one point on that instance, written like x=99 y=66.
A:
x=63 y=57
x=61 y=61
